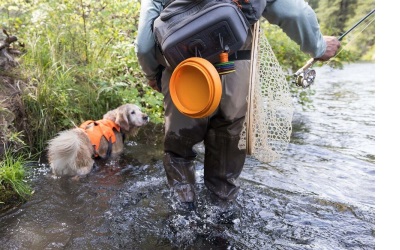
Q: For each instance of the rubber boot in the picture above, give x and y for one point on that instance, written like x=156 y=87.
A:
x=181 y=178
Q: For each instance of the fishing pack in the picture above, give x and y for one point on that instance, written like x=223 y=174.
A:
x=204 y=28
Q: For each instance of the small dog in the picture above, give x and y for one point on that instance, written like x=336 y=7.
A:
x=72 y=152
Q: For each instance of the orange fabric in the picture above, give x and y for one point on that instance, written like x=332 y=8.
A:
x=101 y=128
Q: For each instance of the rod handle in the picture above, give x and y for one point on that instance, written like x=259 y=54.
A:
x=308 y=64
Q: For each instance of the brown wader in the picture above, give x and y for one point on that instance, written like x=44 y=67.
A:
x=220 y=132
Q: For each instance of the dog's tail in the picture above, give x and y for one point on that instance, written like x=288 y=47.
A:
x=70 y=153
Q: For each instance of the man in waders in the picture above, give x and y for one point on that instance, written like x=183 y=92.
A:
x=220 y=132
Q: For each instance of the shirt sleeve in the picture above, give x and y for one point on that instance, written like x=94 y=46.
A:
x=299 y=21
x=145 y=45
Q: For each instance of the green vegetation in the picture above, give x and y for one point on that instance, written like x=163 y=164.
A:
x=336 y=17
x=79 y=62
x=14 y=187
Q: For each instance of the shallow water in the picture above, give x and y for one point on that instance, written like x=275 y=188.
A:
x=319 y=195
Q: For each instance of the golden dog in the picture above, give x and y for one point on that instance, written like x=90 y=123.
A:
x=72 y=152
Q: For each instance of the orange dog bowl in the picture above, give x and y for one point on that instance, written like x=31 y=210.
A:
x=195 y=87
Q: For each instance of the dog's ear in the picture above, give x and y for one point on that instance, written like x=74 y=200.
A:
x=122 y=119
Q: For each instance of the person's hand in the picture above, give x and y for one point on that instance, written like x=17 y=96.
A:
x=332 y=45
x=153 y=84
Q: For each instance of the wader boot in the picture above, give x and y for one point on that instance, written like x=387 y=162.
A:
x=181 y=178
x=223 y=164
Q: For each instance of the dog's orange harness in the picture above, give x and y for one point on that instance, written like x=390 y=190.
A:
x=100 y=128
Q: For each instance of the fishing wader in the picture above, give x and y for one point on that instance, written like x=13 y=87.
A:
x=220 y=132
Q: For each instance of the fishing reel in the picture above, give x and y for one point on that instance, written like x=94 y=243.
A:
x=305 y=78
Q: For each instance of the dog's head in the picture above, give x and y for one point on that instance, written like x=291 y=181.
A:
x=128 y=117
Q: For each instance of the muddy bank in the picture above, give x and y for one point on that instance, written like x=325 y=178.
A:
x=12 y=118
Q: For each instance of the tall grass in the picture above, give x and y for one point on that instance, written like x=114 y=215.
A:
x=79 y=62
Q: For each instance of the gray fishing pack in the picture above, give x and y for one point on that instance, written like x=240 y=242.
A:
x=202 y=28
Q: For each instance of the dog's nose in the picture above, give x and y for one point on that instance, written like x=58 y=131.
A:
x=146 y=118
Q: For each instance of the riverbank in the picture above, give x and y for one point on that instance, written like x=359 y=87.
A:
x=13 y=188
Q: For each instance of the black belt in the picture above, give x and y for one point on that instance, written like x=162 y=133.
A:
x=240 y=55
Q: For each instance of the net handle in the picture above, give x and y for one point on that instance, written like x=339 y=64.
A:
x=252 y=83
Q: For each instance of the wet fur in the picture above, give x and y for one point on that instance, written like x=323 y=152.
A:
x=71 y=153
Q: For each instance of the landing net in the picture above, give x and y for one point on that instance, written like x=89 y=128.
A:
x=268 y=126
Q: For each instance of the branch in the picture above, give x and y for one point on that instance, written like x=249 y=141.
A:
x=8 y=41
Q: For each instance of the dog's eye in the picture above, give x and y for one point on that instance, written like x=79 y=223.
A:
x=133 y=112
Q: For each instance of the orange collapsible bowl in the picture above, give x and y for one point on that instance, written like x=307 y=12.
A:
x=195 y=87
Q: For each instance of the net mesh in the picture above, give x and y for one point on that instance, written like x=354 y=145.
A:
x=268 y=126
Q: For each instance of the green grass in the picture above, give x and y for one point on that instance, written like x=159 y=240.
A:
x=13 y=183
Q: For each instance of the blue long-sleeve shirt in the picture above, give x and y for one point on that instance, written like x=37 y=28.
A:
x=295 y=17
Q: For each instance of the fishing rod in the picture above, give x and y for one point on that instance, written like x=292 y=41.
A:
x=305 y=76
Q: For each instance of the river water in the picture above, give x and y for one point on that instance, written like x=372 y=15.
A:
x=319 y=195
